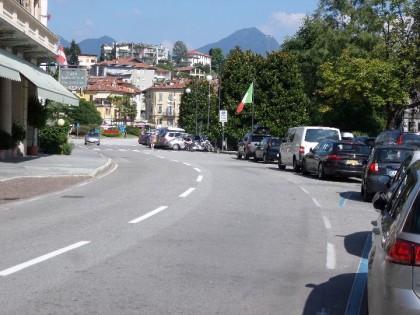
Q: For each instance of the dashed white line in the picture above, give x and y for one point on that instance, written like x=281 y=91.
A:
x=187 y=192
x=175 y=161
x=304 y=190
x=186 y=164
x=148 y=215
x=330 y=256
x=32 y=262
x=197 y=169
x=327 y=222
x=199 y=178
x=160 y=157
x=316 y=202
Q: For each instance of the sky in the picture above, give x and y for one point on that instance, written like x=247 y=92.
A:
x=194 y=22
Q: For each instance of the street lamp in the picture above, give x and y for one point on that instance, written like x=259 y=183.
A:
x=208 y=78
x=188 y=91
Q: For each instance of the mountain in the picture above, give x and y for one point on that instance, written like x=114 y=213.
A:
x=90 y=46
x=247 y=38
x=93 y=46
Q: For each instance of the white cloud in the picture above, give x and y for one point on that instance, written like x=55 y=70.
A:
x=281 y=24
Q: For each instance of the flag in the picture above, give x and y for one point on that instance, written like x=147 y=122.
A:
x=61 y=59
x=247 y=99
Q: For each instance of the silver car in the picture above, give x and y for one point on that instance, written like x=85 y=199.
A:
x=393 y=283
x=177 y=143
x=92 y=137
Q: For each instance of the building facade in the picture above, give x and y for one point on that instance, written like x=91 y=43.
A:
x=26 y=43
x=196 y=57
x=147 y=53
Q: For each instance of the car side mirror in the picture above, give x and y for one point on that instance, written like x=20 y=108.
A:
x=379 y=201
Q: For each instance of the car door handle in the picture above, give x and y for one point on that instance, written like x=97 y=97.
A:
x=376 y=231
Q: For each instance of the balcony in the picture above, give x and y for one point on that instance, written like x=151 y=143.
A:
x=24 y=34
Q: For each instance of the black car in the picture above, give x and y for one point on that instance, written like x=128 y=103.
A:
x=336 y=158
x=268 y=149
x=369 y=141
x=248 y=144
x=383 y=160
x=398 y=137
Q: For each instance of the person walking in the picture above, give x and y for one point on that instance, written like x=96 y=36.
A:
x=153 y=140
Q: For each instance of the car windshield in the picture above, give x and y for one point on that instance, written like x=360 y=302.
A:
x=392 y=155
x=316 y=135
x=355 y=148
x=93 y=134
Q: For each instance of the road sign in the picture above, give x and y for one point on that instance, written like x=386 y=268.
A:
x=223 y=116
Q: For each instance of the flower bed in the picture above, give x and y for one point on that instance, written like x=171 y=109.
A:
x=111 y=133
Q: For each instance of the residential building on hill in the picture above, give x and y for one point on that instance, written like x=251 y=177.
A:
x=192 y=71
x=87 y=60
x=196 y=57
x=26 y=43
x=99 y=91
x=162 y=103
x=147 y=53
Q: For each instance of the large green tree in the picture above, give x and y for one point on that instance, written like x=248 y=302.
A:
x=180 y=54
x=72 y=52
x=84 y=114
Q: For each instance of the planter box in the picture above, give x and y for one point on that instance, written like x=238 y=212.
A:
x=32 y=150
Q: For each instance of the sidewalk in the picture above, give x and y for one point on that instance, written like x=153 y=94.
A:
x=81 y=162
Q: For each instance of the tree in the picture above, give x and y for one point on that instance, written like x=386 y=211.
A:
x=84 y=114
x=72 y=52
x=126 y=110
x=217 y=59
x=180 y=53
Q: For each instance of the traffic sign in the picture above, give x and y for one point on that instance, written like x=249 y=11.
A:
x=223 y=116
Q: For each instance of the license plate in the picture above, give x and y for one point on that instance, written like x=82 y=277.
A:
x=352 y=162
x=392 y=173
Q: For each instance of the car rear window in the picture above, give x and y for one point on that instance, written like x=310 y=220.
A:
x=411 y=139
x=355 y=148
x=316 y=135
x=257 y=138
x=392 y=155
x=275 y=142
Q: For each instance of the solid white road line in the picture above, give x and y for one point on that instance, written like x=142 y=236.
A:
x=187 y=192
x=199 y=178
x=32 y=262
x=327 y=222
x=148 y=215
x=330 y=256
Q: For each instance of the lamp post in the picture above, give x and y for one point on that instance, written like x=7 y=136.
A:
x=208 y=78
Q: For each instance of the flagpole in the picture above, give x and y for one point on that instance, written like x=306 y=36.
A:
x=252 y=121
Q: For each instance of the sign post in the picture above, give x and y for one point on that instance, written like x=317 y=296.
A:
x=223 y=117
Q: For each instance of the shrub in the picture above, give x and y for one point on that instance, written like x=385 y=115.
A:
x=18 y=133
x=112 y=132
x=52 y=139
x=67 y=148
x=6 y=140
x=133 y=131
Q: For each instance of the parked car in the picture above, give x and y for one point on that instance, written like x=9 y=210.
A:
x=369 y=141
x=165 y=137
x=383 y=160
x=177 y=143
x=299 y=140
x=268 y=149
x=248 y=144
x=92 y=137
x=393 y=277
x=398 y=137
x=336 y=158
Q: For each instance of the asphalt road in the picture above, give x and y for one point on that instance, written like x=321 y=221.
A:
x=165 y=232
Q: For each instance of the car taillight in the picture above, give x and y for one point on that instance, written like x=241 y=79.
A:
x=404 y=253
x=301 y=150
x=334 y=157
x=373 y=168
x=399 y=139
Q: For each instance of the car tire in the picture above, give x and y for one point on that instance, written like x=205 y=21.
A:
x=246 y=156
x=321 y=172
x=176 y=147
x=280 y=164
x=367 y=196
x=85 y=143
x=98 y=143
x=303 y=168
x=296 y=167
x=238 y=155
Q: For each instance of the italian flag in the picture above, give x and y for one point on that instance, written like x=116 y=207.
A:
x=247 y=99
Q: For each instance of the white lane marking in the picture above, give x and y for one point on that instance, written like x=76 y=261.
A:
x=186 y=164
x=147 y=153
x=124 y=150
x=174 y=161
x=149 y=214
x=327 y=222
x=304 y=190
x=187 y=192
x=316 y=202
x=32 y=262
x=330 y=256
x=136 y=150
x=160 y=157
x=199 y=178
x=197 y=169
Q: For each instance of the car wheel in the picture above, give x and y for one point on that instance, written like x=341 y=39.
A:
x=98 y=143
x=303 y=168
x=367 y=196
x=321 y=172
x=85 y=143
x=238 y=155
x=176 y=147
x=280 y=164
x=296 y=167
x=246 y=156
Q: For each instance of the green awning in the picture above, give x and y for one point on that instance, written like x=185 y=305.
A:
x=47 y=87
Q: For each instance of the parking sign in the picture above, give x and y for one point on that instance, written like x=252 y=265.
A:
x=223 y=116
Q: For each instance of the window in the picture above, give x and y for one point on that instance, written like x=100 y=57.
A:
x=160 y=97
x=160 y=108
